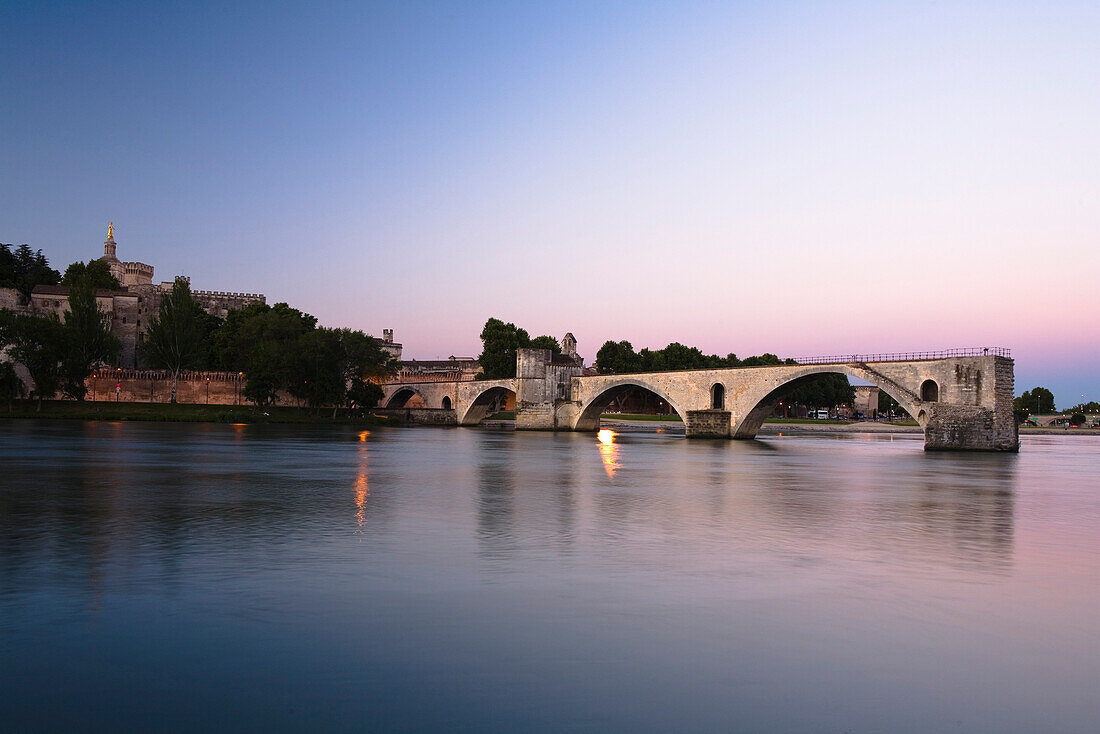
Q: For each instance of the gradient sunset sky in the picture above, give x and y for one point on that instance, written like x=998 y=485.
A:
x=799 y=178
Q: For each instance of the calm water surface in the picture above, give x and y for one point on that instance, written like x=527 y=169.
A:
x=204 y=577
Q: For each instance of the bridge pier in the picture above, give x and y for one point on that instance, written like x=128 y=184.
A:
x=707 y=424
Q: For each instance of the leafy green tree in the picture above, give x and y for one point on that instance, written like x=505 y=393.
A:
x=88 y=338
x=767 y=359
x=25 y=268
x=499 y=344
x=175 y=337
x=364 y=363
x=1078 y=419
x=1037 y=400
x=96 y=272
x=545 y=342
x=38 y=343
x=264 y=342
x=316 y=371
x=616 y=358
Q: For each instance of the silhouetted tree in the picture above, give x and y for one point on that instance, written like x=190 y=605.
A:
x=25 y=268
x=96 y=272
x=499 y=343
x=175 y=337
x=1037 y=400
x=87 y=335
x=38 y=343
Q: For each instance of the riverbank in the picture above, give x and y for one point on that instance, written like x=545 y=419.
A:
x=188 y=413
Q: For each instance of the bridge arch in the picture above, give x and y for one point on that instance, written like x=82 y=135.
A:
x=480 y=406
x=589 y=417
x=401 y=398
x=761 y=403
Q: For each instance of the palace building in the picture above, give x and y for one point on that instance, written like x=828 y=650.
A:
x=132 y=306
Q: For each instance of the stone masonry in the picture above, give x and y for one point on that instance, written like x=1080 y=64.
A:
x=962 y=403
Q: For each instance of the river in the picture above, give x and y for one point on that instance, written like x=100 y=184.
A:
x=200 y=577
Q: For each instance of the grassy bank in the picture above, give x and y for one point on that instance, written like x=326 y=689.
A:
x=166 y=412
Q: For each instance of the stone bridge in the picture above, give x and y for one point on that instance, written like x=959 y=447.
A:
x=962 y=399
x=470 y=400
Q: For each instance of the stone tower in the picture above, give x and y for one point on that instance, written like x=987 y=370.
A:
x=109 y=254
x=569 y=345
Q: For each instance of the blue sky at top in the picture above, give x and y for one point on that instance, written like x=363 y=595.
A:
x=791 y=177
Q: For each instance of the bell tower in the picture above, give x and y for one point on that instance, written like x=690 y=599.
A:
x=109 y=253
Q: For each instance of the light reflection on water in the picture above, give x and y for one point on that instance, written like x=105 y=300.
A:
x=227 y=577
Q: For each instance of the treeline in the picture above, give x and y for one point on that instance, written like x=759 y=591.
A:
x=617 y=358
x=820 y=391
x=278 y=348
x=499 y=343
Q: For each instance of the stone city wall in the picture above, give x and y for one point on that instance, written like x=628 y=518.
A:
x=155 y=386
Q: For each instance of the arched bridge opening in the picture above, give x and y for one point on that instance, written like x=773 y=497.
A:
x=625 y=397
x=763 y=408
x=406 y=398
x=490 y=401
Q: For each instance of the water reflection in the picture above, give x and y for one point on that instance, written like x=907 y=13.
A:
x=496 y=493
x=609 y=452
x=843 y=568
x=362 y=488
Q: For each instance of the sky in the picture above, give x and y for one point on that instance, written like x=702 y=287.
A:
x=799 y=178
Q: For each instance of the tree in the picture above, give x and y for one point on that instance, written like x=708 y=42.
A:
x=1037 y=400
x=499 y=344
x=175 y=338
x=38 y=342
x=766 y=359
x=616 y=358
x=96 y=272
x=25 y=268
x=364 y=363
x=316 y=369
x=11 y=387
x=88 y=338
x=265 y=343
x=1078 y=419
x=545 y=342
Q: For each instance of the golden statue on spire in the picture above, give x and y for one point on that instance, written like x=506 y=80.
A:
x=110 y=230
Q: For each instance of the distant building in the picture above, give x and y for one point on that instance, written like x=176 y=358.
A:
x=389 y=345
x=132 y=306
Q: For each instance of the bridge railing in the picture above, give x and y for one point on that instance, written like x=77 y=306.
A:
x=907 y=356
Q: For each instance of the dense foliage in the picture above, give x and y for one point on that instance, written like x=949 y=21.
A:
x=25 y=268
x=1037 y=400
x=500 y=341
x=88 y=341
x=96 y=272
